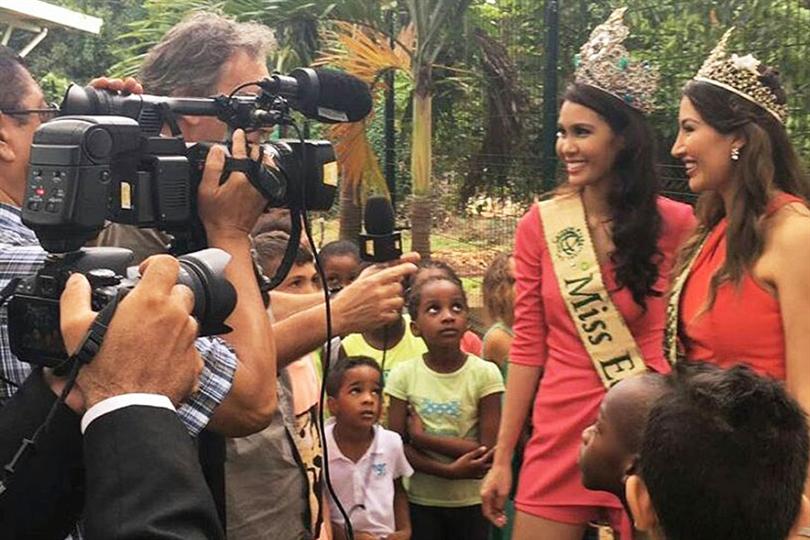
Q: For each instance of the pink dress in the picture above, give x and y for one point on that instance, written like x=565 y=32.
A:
x=570 y=390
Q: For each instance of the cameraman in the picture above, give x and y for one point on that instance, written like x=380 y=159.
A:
x=234 y=399
x=145 y=367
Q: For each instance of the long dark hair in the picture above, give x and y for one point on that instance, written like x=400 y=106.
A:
x=767 y=162
x=633 y=196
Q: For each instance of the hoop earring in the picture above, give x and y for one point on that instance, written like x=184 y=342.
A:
x=735 y=154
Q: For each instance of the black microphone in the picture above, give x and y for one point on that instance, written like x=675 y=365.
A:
x=325 y=95
x=380 y=243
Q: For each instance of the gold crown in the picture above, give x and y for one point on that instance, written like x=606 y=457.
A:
x=604 y=63
x=740 y=75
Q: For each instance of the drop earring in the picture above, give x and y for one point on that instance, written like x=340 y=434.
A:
x=735 y=154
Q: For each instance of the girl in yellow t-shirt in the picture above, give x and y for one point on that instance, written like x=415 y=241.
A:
x=446 y=404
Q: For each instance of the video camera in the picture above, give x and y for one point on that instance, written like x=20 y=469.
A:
x=104 y=157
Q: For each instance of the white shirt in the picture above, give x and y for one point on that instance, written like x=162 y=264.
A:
x=114 y=403
x=366 y=488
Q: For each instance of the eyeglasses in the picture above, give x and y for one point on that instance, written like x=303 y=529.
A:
x=45 y=114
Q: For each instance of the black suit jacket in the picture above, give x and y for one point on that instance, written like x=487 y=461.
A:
x=44 y=496
x=143 y=473
x=144 y=480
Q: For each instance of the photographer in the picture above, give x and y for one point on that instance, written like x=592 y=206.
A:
x=145 y=367
x=228 y=212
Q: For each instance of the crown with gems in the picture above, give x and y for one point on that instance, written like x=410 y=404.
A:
x=740 y=75
x=604 y=63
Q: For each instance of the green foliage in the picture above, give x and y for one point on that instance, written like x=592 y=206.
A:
x=67 y=55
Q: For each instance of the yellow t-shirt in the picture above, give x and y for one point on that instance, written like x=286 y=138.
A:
x=447 y=403
x=408 y=348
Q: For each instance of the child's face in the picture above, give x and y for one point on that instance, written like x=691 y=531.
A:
x=302 y=279
x=442 y=315
x=603 y=457
x=341 y=270
x=359 y=400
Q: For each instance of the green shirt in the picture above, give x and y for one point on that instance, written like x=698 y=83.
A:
x=447 y=403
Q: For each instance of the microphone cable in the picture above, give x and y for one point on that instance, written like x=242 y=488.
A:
x=325 y=361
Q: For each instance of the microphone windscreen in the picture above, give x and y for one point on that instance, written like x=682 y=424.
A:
x=343 y=94
x=378 y=216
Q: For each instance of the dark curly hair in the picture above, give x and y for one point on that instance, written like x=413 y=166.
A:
x=634 y=197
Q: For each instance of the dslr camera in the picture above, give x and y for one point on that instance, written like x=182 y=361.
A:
x=33 y=311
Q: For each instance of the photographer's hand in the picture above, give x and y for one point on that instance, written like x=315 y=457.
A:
x=149 y=345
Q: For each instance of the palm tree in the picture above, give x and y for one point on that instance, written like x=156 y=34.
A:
x=430 y=18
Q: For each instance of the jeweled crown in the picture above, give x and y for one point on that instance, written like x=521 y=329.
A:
x=604 y=63
x=740 y=75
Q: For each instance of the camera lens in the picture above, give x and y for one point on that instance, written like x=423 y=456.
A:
x=214 y=297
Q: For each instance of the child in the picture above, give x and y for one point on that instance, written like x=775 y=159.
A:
x=366 y=462
x=610 y=446
x=302 y=277
x=341 y=263
x=499 y=300
x=724 y=455
x=455 y=402
x=286 y=457
x=470 y=342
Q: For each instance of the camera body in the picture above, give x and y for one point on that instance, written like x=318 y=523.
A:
x=105 y=159
x=33 y=311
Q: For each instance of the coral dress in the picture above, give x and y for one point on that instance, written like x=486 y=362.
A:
x=570 y=391
x=744 y=325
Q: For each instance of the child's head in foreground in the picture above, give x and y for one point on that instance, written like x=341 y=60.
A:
x=354 y=389
x=341 y=263
x=724 y=456
x=611 y=445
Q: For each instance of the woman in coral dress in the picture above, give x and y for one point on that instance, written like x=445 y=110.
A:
x=607 y=147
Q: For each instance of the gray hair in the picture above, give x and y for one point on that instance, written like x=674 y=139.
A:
x=189 y=58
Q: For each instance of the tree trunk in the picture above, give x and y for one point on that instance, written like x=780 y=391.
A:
x=350 y=214
x=421 y=172
x=421 y=222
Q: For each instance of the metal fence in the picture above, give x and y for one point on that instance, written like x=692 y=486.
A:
x=673 y=34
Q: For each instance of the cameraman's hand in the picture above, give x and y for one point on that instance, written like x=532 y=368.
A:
x=374 y=299
x=230 y=209
x=148 y=347
x=129 y=85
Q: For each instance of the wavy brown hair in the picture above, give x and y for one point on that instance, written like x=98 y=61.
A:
x=498 y=291
x=768 y=162
x=633 y=198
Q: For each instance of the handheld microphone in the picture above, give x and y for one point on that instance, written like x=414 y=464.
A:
x=380 y=243
x=325 y=95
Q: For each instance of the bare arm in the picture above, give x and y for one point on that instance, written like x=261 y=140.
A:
x=472 y=464
x=789 y=260
x=402 y=517
x=521 y=387
x=496 y=347
x=489 y=412
x=372 y=300
x=229 y=211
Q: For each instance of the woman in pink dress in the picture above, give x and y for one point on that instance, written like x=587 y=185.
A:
x=607 y=147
